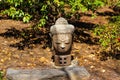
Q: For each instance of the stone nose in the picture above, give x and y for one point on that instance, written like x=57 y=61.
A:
x=62 y=45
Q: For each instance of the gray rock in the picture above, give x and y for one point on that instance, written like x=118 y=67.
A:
x=77 y=73
x=68 y=73
x=35 y=74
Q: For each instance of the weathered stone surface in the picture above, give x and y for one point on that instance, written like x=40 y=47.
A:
x=62 y=39
x=62 y=35
x=68 y=73
x=77 y=73
x=61 y=26
x=35 y=74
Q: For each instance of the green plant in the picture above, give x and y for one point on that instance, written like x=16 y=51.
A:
x=111 y=2
x=77 y=5
x=93 y=4
x=1 y=75
x=26 y=17
x=17 y=14
x=14 y=2
x=13 y=13
x=25 y=10
x=109 y=34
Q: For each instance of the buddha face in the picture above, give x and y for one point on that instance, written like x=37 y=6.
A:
x=62 y=42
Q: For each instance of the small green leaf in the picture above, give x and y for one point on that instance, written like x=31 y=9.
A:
x=26 y=18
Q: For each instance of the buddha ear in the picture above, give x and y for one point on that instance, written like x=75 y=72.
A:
x=72 y=28
x=51 y=30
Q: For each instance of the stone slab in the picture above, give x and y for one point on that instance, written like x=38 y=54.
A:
x=68 y=73
x=77 y=73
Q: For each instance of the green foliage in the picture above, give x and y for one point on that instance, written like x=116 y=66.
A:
x=118 y=4
x=26 y=17
x=77 y=5
x=17 y=14
x=1 y=75
x=13 y=13
x=14 y=2
x=93 y=4
x=111 y=2
x=42 y=22
x=115 y=20
x=25 y=10
x=109 y=34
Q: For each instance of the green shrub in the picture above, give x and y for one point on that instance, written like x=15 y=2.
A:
x=93 y=4
x=1 y=75
x=111 y=2
x=109 y=35
x=27 y=9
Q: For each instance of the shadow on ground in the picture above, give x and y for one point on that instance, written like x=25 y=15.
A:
x=106 y=55
x=82 y=33
x=28 y=36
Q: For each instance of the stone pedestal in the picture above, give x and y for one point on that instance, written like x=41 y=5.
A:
x=68 y=73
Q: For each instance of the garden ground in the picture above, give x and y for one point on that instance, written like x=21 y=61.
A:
x=18 y=51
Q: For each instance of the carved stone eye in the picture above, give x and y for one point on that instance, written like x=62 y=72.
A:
x=57 y=42
x=67 y=43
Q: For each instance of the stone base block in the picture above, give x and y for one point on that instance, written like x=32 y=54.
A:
x=68 y=73
x=77 y=73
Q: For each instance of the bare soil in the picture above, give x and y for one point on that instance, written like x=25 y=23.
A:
x=17 y=51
